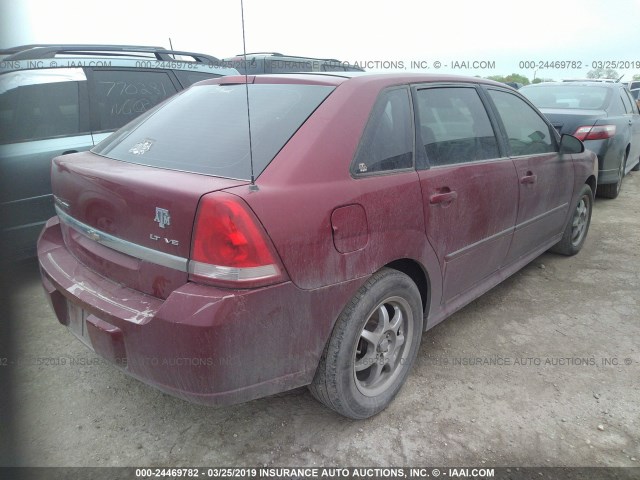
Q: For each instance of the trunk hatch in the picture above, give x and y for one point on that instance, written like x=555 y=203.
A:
x=109 y=207
x=568 y=120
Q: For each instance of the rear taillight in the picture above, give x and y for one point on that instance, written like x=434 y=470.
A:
x=597 y=132
x=230 y=247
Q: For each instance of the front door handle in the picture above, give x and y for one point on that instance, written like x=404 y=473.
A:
x=443 y=198
x=529 y=178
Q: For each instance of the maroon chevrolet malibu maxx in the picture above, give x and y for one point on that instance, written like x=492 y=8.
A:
x=221 y=260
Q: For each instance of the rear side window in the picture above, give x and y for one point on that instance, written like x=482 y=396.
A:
x=332 y=67
x=253 y=66
x=120 y=95
x=188 y=78
x=387 y=141
x=290 y=65
x=527 y=132
x=205 y=128
x=454 y=126
x=40 y=111
x=633 y=100
x=626 y=101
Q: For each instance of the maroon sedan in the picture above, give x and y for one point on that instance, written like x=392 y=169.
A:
x=381 y=205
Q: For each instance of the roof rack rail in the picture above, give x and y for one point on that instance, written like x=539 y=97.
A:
x=40 y=51
x=20 y=48
x=291 y=56
x=260 y=53
x=600 y=80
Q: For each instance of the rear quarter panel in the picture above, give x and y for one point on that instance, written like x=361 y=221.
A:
x=310 y=178
x=585 y=167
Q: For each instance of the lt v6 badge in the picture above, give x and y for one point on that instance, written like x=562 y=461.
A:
x=166 y=240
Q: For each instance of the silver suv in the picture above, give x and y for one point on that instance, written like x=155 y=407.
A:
x=60 y=99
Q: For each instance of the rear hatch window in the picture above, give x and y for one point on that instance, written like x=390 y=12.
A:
x=205 y=129
x=580 y=97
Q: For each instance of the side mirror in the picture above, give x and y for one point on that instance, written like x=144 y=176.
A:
x=570 y=144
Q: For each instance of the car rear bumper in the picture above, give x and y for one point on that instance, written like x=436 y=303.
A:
x=204 y=344
x=608 y=160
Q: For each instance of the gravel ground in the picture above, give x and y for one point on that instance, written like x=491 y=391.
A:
x=541 y=371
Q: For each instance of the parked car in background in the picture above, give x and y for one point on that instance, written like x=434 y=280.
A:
x=60 y=99
x=272 y=62
x=601 y=114
x=634 y=85
x=381 y=205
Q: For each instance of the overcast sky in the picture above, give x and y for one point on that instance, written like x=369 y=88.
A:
x=505 y=33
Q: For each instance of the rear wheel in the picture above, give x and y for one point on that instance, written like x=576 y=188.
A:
x=576 y=230
x=636 y=167
x=372 y=347
x=612 y=190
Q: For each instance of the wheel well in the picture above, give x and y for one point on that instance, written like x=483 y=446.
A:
x=591 y=181
x=414 y=270
x=626 y=156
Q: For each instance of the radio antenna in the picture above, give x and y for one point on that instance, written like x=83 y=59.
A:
x=246 y=87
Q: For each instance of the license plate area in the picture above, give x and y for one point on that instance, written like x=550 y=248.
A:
x=78 y=323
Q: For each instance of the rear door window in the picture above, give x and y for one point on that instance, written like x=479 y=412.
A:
x=527 y=132
x=454 y=126
x=119 y=96
x=387 y=141
x=634 y=105
x=626 y=101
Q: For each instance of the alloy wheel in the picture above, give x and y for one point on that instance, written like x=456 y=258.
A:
x=580 y=220
x=380 y=350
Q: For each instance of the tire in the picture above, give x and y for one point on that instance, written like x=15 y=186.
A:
x=612 y=190
x=577 y=228
x=636 y=167
x=357 y=376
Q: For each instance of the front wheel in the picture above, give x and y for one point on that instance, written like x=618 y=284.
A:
x=372 y=347
x=576 y=230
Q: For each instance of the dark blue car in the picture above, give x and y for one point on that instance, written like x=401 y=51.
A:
x=601 y=114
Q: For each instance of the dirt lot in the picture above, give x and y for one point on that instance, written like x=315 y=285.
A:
x=543 y=370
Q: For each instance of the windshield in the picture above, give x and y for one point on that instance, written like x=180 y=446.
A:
x=580 y=97
x=205 y=129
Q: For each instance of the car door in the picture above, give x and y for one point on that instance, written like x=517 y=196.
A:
x=469 y=190
x=545 y=178
x=43 y=114
x=632 y=117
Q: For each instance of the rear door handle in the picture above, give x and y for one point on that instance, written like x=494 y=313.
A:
x=529 y=178
x=443 y=198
